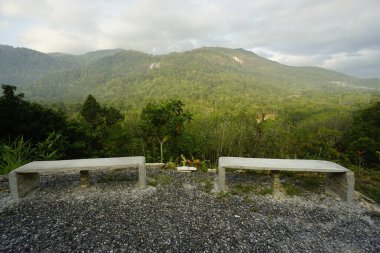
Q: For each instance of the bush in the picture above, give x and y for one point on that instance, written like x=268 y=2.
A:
x=21 y=152
x=170 y=165
x=15 y=155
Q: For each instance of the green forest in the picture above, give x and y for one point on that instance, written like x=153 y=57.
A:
x=200 y=105
x=344 y=136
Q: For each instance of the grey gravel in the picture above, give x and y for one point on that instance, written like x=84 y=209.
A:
x=179 y=214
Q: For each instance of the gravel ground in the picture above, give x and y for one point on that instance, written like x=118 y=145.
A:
x=177 y=214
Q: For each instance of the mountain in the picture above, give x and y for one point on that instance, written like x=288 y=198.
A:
x=130 y=79
x=22 y=66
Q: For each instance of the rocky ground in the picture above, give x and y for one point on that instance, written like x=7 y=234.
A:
x=179 y=213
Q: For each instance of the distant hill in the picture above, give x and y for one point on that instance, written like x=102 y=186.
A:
x=131 y=78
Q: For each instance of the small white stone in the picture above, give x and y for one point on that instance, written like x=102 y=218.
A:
x=186 y=168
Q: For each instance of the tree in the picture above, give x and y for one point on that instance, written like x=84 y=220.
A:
x=112 y=116
x=22 y=118
x=362 y=140
x=91 y=111
x=164 y=120
x=96 y=115
x=9 y=95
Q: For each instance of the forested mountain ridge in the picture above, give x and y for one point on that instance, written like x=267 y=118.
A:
x=23 y=66
x=238 y=104
x=204 y=74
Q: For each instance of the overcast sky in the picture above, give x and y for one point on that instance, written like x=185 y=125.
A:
x=342 y=35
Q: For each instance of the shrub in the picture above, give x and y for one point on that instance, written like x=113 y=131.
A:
x=15 y=155
x=170 y=165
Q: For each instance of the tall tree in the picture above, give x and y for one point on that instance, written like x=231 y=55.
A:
x=163 y=121
x=363 y=138
x=19 y=117
x=96 y=115
x=91 y=111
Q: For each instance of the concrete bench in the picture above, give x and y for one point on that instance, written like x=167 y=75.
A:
x=339 y=180
x=27 y=178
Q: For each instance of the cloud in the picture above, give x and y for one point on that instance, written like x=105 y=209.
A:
x=23 y=9
x=47 y=39
x=3 y=25
x=363 y=63
x=296 y=32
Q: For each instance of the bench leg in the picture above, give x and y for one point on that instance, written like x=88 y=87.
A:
x=142 y=176
x=341 y=184
x=276 y=184
x=84 y=179
x=20 y=184
x=222 y=180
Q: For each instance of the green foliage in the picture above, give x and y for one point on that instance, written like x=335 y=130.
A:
x=204 y=166
x=15 y=155
x=25 y=66
x=367 y=181
x=20 y=152
x=50 y=149
x=163 y=121
x=160 y=179
x=152 y=182
x=292 y=190
x=183 y=160
x=265 y=191
x=170 y=165
x=91 y=111
x=362 y=140
x=241 y=188
x=97 y=116
x=112 y=116
x=208 y=185
x=19 y=117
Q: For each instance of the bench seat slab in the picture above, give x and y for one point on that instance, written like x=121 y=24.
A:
x=339 y=180
x=26 y=178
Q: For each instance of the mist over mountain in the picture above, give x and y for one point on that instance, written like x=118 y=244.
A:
x=206 y=74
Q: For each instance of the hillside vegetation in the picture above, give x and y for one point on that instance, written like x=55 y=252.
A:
x=235 y=102
x=209 y=76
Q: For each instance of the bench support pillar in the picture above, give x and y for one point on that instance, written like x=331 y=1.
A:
x=142 y=176
x=341 y=184
x=222 y=179
x=276 y=184
x=20 y=184
x=84 y=179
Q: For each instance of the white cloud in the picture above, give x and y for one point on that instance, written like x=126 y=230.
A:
x=3 y=25
x=53 y=40
x=364 y=63
x=295 y=32
x=23 y=8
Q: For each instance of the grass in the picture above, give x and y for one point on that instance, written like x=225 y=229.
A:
x=367 y=182
x=208 y=185
x=265 y=191
x=292 y=190
x=246 y=188
x=223 y=195
x=240 y=188
x=152 y=182
x=312 y=182
x=160 y=179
